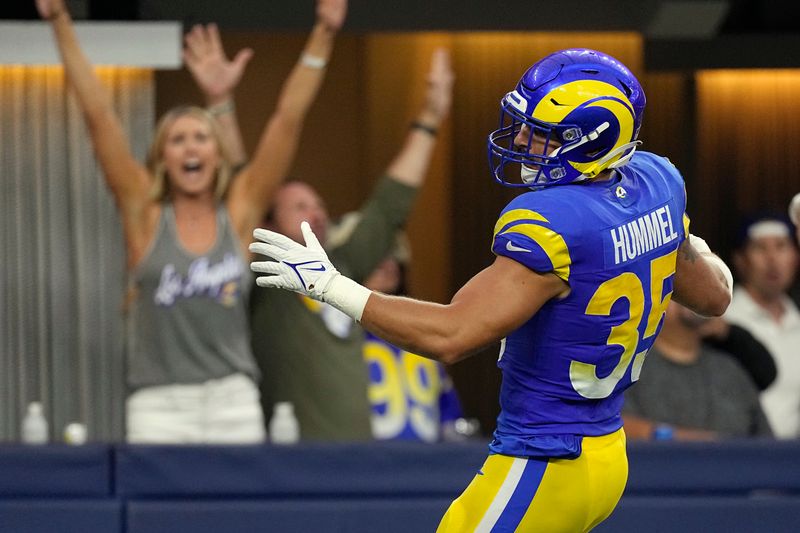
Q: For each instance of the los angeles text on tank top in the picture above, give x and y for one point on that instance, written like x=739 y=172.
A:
x=189 y=321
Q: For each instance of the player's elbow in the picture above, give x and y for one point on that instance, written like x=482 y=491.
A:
x=719 y=302
x=451 y=357
x=449 y=350
x=712 y=304
x=708 y=302
x=444 y=351
x=710 y=296
x=448 y=337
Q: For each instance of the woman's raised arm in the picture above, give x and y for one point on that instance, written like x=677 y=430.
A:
x=252 y=190
x=127 y=178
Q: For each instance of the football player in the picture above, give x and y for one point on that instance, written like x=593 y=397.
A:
x=586 y=263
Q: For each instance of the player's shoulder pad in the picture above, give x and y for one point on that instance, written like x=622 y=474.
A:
x=652 y=163
x=529 y=231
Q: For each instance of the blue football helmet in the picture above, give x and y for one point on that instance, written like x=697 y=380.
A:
x=579 y=112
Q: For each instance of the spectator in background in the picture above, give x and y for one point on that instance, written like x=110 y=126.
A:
x=740 y=344
x=309 y=352
x=187 y=220
x=766 y=261
x=690 y=391
x=412 y=397
x=794 y=216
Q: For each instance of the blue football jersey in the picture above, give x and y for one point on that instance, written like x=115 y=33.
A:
x=615 y=243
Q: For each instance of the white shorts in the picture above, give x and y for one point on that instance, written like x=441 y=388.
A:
x=219 y=411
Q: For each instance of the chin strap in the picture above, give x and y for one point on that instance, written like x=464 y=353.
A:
x=622 y=161
x=600 y=166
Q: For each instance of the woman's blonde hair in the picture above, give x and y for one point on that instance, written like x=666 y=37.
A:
x=155 y=164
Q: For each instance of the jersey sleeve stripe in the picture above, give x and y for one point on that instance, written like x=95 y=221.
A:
x=551 y=242
x=686 y=225
x=517 y=216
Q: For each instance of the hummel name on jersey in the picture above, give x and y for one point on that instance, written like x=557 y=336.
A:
x=642 y=235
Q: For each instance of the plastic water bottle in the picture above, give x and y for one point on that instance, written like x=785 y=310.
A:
x=283 y=427
x=34 y=425
x=461 y=429
x=75 y=433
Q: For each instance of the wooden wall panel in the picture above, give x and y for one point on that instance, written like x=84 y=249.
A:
x=668 y=125
x=396 y=67
x=747 y=146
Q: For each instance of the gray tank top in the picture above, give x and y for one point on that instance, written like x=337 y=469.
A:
x=189 y=321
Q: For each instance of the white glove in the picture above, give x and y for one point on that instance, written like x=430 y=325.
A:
x=304 y=269
x=307 y=270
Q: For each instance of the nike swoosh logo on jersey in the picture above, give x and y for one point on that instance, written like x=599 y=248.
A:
x=513 y=248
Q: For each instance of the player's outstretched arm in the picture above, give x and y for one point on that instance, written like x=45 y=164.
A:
x=217 y=77
x=252 y=190
x=493 y=303
x=703 y=282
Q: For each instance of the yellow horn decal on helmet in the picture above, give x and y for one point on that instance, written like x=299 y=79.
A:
x=563 y=100
x=625 y=120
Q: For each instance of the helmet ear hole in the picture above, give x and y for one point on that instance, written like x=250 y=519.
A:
x=625 y=87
